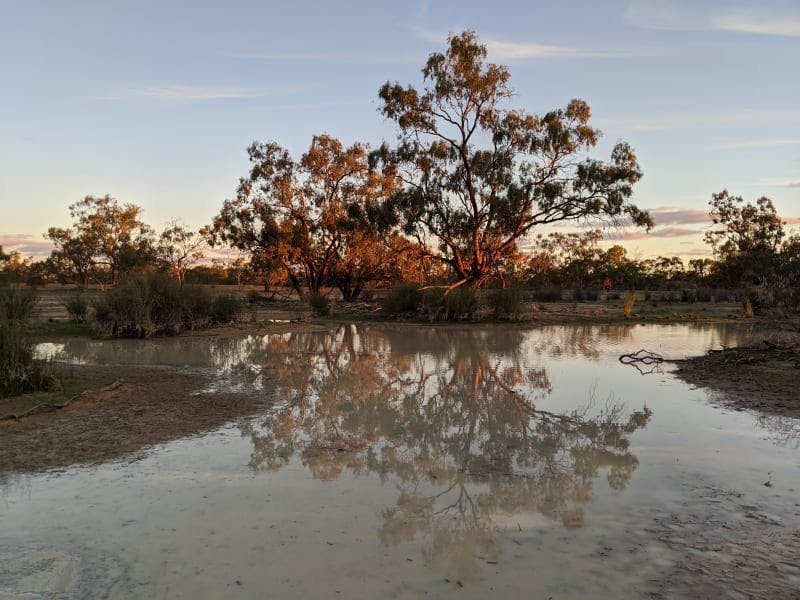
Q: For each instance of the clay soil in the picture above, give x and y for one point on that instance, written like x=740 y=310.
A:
x=761 y=378
x=151 y=406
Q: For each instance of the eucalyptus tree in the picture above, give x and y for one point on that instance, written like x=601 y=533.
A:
x=305 y=215
x=105 y=234
x=179 y=248
x=477 y=177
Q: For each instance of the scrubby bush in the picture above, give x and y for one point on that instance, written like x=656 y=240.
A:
x=17 y=302
x=578 y=295
x=320 y=304
x=704 y=294
x=402 y=298
x=441 y=304
x=550 y=293
x=226 y=308
x=592 y=294
x=21 y=372
x=77 y=307
x=159 y=305
x=506 y=303
x=460 y=303
x=197 y=304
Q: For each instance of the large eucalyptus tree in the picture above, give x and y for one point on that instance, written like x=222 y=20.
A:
x=477 y=177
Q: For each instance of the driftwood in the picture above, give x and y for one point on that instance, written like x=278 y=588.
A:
x=644 y=361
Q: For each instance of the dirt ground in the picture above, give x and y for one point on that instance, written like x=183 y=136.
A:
x=151 y=406
x=763 y=376
x=728 y=549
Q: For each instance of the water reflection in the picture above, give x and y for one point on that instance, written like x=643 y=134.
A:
x=452 y=418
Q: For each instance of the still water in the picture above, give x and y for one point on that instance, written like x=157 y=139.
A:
x=404 y=461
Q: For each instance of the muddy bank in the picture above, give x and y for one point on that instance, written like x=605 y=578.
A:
x=151 y=406
x=728 y=548
x=760 y=377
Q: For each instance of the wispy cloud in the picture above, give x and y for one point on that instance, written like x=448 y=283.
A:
x=192 y=93
x=525 y=50
x=26 y=244
x=776 y=182
x=690 y=16
x=362 y=57
x=754 y=144
x=748 y=21
x=666 y=232
x=673 y=215
x=702 y=120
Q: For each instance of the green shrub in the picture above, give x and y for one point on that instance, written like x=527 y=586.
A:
x=592 y=294
x=578 y=295
x=17 y=302
x=77 y=307
x=550 y=293
x=320 y=304
x=704 y=294
x=142 y=307
x=439 y=304
x=461 y=303
x=197 y=306
x=403 y=297
x=21 y=372
x=226 y=308
x=506 y=303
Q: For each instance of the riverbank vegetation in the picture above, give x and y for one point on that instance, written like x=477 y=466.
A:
x=436 y=226
x=20 y=371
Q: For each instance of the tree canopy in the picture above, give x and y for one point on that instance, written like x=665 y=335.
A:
x=477 y=177
x=105 y=233
x=306 y=216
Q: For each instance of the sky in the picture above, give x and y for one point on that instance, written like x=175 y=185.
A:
x=155 y=102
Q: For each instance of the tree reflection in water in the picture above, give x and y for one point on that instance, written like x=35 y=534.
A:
x=450 y=417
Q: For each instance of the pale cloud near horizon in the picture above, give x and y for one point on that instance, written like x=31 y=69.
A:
x=26 y=244
x=677 y=15
x=666 y=232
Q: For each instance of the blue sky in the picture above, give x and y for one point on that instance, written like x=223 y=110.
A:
x=156 y=102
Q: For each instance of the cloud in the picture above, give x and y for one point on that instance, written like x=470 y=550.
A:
x=775 y=182
x=26 y=244
x=751 y=22
x=666 y=232
x=363 y=57
x=749 y=116
x=518 y=50
x=673 y=215
x=192 y=93
x=655 y=14
x=754 y=144
x=677 y=15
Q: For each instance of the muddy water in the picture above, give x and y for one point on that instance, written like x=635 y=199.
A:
x=417 y=461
